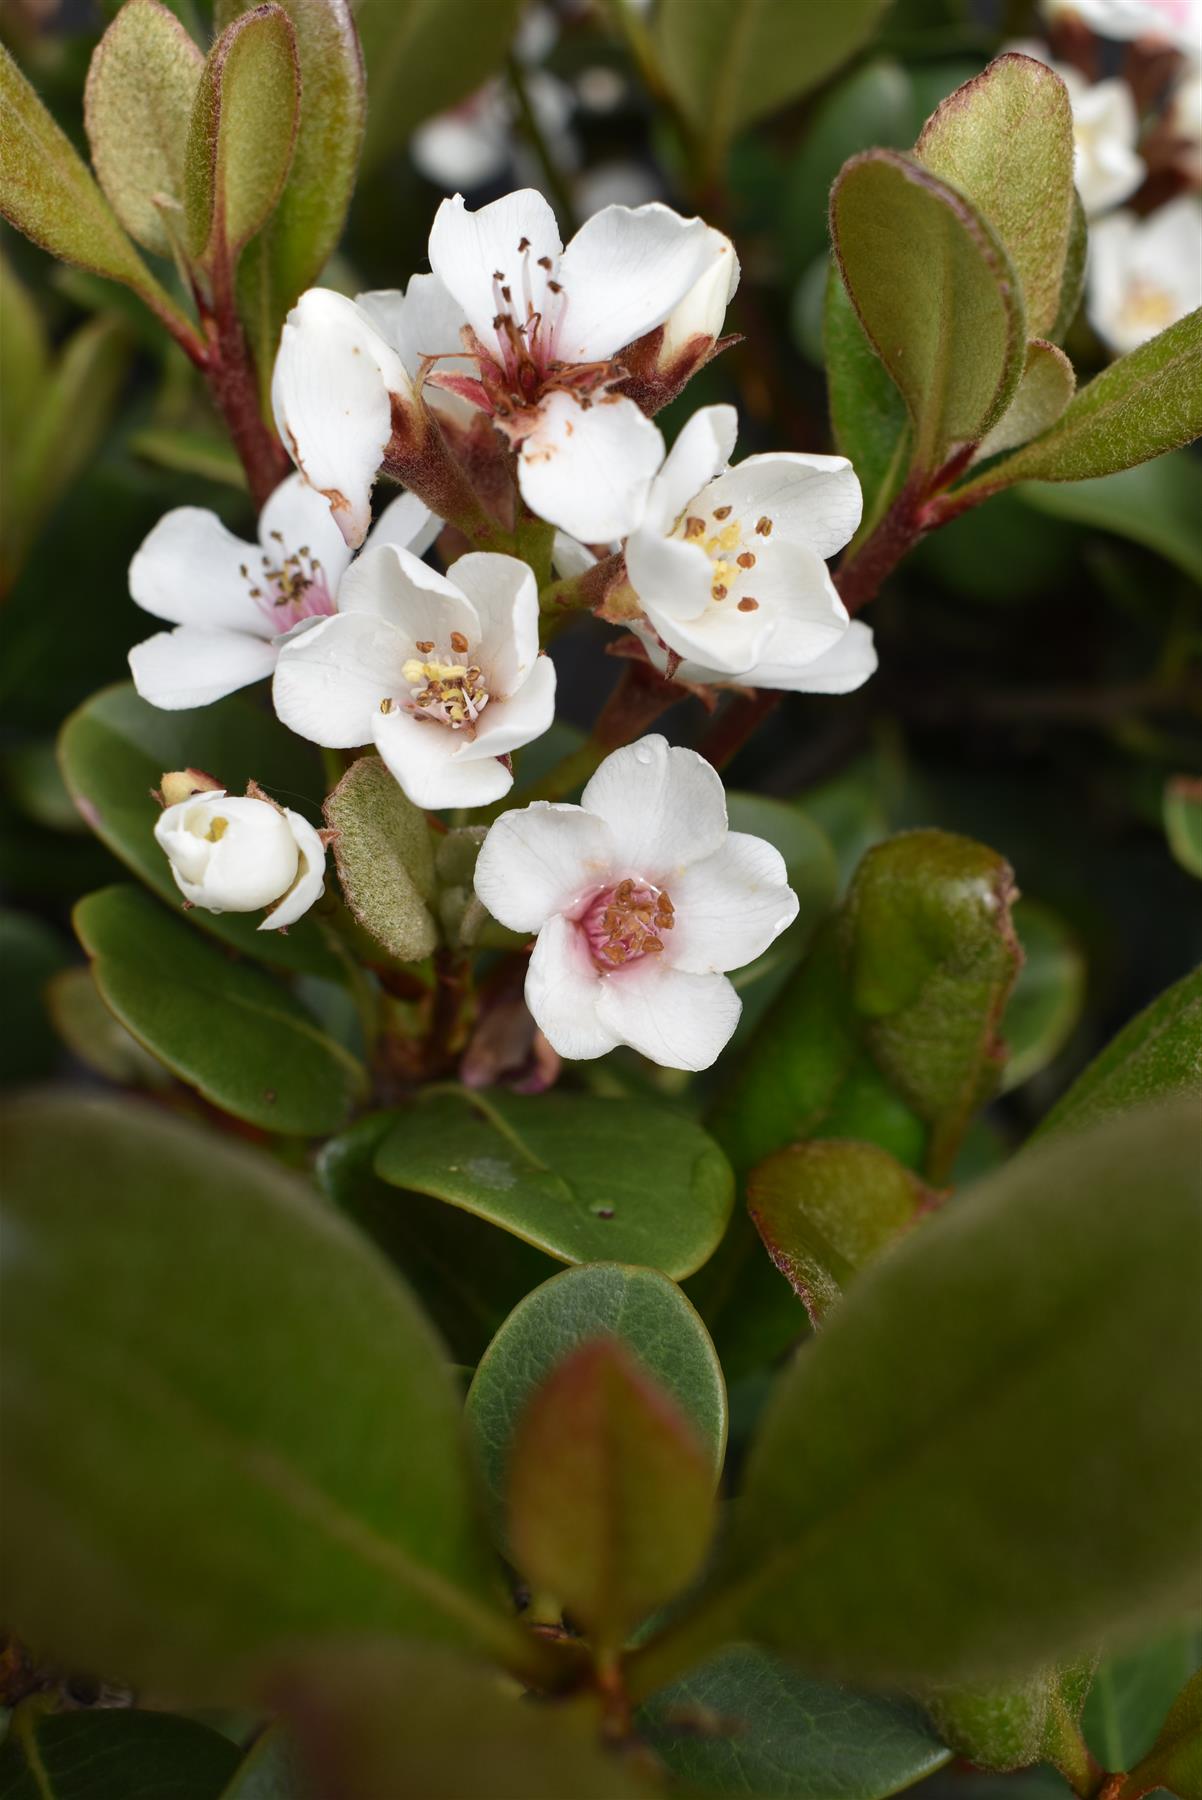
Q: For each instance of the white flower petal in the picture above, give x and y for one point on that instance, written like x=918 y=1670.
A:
x=189 y=571
x=675 y=1018
x=329 y=682
x=333 y=386
x=569 y=556
x=622 y=274
x=303 y=520
x=504 y=594
x=811 y=500
x=309 y=885
x=845 y=666
x=190 y=667
x=406 y=521
x=665 y=808
x=421 y=754
x=702 y=451
x=229 y=853
x=730 y=907
x=563 y=988
x=671 y=577
x=470 y=250
x=514 y=719
x=540 y=860
x=389 y=582
x=702 y=312
x=426 y=320
x=589 y=470
x=722 y=639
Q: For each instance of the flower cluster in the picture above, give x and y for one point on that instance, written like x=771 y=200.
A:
x=513 y=391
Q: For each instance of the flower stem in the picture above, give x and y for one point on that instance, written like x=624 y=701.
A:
x=233 y=383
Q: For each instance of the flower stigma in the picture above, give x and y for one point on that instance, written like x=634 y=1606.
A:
x=627 y=922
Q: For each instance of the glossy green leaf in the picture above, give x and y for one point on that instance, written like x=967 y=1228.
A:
x=747 y=1723
x=388 y=1719
x=1005 y=141
x=1132 y=1693
x=1048 y=995
x=114 y=750
x=423 y=56
x=1183 y=821
x=270 y=1770
x=241 y=135
x=1156 y=1055
x=937 y=295
x=610 y=1492
x=1142 y=405
x=137 y=107
x=47 y=192
x=730 y=62
x=826 y=1209
x=951 y=1483
x=641 y=1307
x=112 y=1754
x=92 y=1033
x=868 y=415
x=1047 y=385
x=229 y=1426
x=468 y=1275
x=1156 y=503
x=227 y=1028
x=385 y=859
x=585 y=1179
x=1175 y=1760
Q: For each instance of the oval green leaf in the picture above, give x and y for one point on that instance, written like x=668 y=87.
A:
x=641 y=1307
x=230 y=1428
x=385 y=858
x=1156 y=503
x=1045 y=1005
x=1132 y=1693
x=108 y=1754
x=583 y=1178
x=1156 y=1055
x=227 y=1028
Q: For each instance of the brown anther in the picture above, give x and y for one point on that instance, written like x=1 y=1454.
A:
x=764 y=526
x=544 y=262
x=747 y=604
x=386 y=704
x=746 y=560
x=615 y=953
x=458 y=642
x=243 y=571
x=718 y=591
x=524 y=245
x=277 y=535
x=506 y=295
x=723 y=512
x=623 y=891
x=694 y=527
x=498 y=274
x=425 y=646
x=652 y=944
x=556 y=287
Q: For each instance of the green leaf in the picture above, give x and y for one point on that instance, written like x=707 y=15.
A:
x=242 y=133
x=388 y=1719
x=423 y=56
x=1047 y=385
x=303 y=232
x=641 y=1307
x=1005 y=142
x=385 y=859
x=747 y=1723
x=1010 y=1725
x=1175 y=1759
x=24 y=359
x=1048 y=996
x=270 y=1770
x=31 y=952
x=1142 y=405
x=47 y=192
x=1156 y=503
x=95 y=1036
x=111 y=1754
x=937 y=295
x=468 y=1275
x=114 y=750
x=868 y=415
x=1183 y=821
x=952 y=1480
x=1156 y=1055
x=585 y=1179
x=197 y=453
x=730 y=62
x=230 y=1427
x=610 y=1492
x=227 y=1028
x=823 y=1210
x=137 y=105
x=1132 y=1693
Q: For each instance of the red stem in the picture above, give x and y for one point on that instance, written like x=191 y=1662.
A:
x=233 y=383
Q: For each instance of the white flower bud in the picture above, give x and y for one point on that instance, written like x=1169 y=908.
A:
x=240 y=854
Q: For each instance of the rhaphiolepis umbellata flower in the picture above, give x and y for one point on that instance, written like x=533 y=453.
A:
x=234 y=604
x=1144 y=274
x=239 y=853
x=441 y=672
x=642 y=899
x=729 y=564
x=530 y=336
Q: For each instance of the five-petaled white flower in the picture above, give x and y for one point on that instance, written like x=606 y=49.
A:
x=729 y=563
x=441 y=672
x=235 y=604
x=641 y=898
x=232 y=853
x=1143 y=275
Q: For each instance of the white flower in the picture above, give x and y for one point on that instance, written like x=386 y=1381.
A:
x=1144 y=274
x=729 y=562
x=242 y=853
x=441 y=672
x=642 y=899
x=1106 y=166
x=234 y=604
x=1177 y=22
x=475 y=142
x=1184 y=120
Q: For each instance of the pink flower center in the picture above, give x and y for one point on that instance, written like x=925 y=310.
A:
x=627 y=922
x=289 y=586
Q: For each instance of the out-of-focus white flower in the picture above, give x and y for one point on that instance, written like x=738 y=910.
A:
x=729 y=562
x=1176 y=22
x=241 y=853
x=1144 y=274
x=441 y=672
x=475 y=142
x=605 y=184
x=1183 y=119
x=233 y=604
x=1106 y=166
x=642 y=899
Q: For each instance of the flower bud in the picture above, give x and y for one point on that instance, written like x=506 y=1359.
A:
x=659 y=364
x=182 y=784
x=240 y=854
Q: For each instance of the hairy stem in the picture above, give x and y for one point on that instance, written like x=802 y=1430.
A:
x=233 y=383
